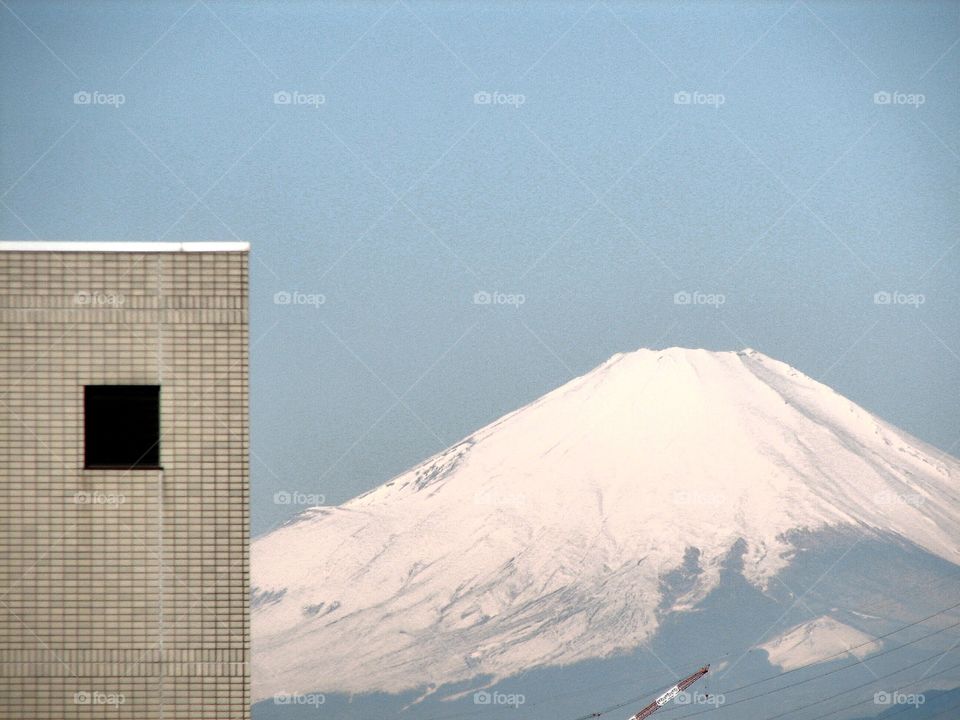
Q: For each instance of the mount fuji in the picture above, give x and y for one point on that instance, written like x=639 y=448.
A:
x=666 y=509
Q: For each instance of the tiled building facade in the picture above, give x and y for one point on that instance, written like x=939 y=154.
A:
x=123 y=591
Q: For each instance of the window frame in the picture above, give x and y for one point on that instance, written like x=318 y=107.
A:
x=149 y=460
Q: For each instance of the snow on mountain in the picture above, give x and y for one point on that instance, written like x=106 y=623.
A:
x=548 y=537
x=816 y=640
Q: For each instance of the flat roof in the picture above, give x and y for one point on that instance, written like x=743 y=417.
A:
x=136 y=247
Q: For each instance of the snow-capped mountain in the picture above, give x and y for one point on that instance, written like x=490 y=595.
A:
x=578 y=526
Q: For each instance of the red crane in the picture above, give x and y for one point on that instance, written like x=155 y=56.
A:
x=670 y=694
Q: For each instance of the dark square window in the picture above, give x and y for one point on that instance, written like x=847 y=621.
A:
x=121 y=426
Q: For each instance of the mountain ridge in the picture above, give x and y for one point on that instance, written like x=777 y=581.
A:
x=546 y=536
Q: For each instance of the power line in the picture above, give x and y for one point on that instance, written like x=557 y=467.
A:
x=906 y=707
x=632 y=700
x=551 y=698
x=802 y=707
x=835 y=670
x=847 y=651
x=822 y=675
x=859 y=687
x=873 y=607
x=820 y=661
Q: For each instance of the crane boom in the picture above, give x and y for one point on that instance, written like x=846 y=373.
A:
x=670 y=694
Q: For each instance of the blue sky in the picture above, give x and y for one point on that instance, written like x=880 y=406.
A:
x=588 y=185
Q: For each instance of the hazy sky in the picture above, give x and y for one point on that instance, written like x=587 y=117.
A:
x=590 y=159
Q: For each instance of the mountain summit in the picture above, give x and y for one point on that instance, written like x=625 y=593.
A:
x=569 y=529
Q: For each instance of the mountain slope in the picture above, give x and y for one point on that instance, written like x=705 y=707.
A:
x=571 y=528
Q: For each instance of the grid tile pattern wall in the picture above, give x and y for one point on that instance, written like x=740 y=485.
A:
x=123 y=593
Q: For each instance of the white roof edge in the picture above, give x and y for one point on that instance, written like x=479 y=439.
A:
x=137 y=247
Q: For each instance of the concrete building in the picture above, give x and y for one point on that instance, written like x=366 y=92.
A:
x=124 y=493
